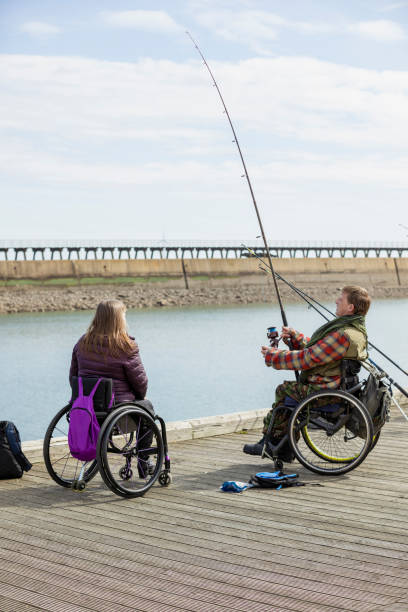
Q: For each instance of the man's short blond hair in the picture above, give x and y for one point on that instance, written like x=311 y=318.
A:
x=358 y=296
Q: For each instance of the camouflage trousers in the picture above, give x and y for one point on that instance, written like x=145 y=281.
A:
x=297 y=391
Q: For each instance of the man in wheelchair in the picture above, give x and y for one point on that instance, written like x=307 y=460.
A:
x=319 y=360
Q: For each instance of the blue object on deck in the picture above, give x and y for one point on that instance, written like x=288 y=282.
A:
x=234 y=486
x=278 y=475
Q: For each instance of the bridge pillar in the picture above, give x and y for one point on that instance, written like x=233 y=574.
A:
x=38 y=250
x=55 y=251
x=92 y=250
x=71 y=252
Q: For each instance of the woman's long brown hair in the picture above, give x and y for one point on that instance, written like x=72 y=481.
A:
x=107 y=334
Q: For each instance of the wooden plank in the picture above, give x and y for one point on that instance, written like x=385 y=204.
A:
x=11 y=605
x=21 y=595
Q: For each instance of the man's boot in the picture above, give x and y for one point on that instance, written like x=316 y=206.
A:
x=255 y=449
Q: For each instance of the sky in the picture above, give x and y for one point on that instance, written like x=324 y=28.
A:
x=111 y=128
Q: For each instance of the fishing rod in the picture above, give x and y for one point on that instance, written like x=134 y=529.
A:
x=309 y=300
x=246 y=175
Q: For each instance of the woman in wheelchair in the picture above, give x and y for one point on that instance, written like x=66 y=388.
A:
x=319 y=360
x=107 y=351
x=131 y=448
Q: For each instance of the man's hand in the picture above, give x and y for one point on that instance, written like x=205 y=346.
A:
x=268 y=349
x=287 y=333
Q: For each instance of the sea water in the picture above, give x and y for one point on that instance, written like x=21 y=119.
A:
x=200 y=361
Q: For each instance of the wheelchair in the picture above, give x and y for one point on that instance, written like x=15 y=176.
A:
x=331 y=432
x=131 y=447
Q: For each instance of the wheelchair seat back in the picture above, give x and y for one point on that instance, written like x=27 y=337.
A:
x=103 y=394
x=350 y=369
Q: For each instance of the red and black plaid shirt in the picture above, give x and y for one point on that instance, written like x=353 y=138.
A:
x=330 y=348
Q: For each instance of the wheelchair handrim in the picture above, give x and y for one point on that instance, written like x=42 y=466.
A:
x=320 y=453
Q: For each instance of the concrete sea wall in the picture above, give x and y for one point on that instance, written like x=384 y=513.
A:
x=310 y=272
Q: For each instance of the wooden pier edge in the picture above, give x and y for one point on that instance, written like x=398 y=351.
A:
x=200 y=427
x=179 y=431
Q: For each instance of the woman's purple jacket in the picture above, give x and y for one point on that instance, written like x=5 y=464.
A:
x=127 y=372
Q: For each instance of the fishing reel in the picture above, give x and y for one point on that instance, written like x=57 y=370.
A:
x=273 y=336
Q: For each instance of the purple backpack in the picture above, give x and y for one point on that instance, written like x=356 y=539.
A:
x=83 y=425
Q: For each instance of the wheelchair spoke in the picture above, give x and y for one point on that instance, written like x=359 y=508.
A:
x=66 y=457
x=64 y=432
x=149 y=451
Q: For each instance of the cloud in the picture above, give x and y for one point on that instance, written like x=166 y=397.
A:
x=259 y=29
x=283 y=168
x=152 y=21
x=393 y=7
x=254 y=28
x=297 y=96
x=40 y=29
x=380 y=30
x=161 y=123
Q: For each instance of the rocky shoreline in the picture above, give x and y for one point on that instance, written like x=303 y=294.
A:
x=29 y=298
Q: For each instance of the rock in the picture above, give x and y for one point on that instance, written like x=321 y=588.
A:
x=86 y=297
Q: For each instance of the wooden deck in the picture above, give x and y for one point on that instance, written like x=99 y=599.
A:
x=340 y=546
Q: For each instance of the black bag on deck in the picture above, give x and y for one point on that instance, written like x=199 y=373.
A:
x=275 y=480
x=13 y=462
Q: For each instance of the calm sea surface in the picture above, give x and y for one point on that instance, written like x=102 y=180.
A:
x=200 y=361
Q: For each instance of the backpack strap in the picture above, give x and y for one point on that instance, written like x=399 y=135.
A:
x=112 y=399
x=92 y=393
x=80 y=387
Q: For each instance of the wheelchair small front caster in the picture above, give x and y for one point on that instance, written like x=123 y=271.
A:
x=78 y=485
x=125 y=473
x=165 y=478
x=279 y=464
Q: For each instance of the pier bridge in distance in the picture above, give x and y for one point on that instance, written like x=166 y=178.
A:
x=14 y=250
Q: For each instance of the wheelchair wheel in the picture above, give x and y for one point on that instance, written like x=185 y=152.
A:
x=60 y=464
x=375 y=439
x=336 y=432
x=130 y=451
